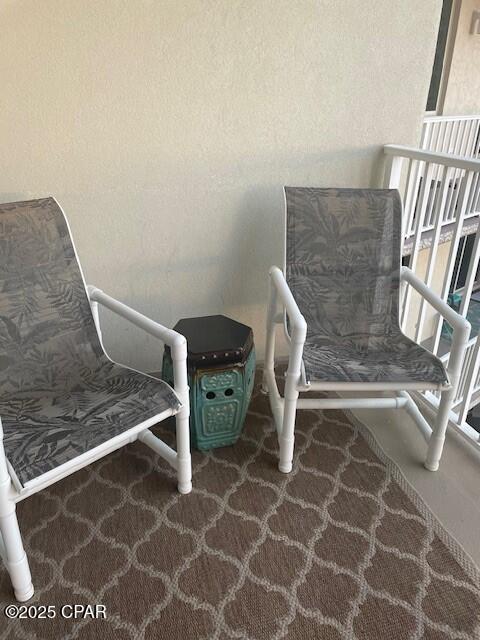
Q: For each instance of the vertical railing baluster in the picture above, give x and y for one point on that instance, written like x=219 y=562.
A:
x=413 y=180
x=393 y=172
x=432 y=258
x=453 y=197
x=422 y=202
x=461 y=137
x=476 y=153
x=425 y=136
x=471 y=274
x=464 y=190
x=471 y=139
x=448 y=138
x=472 y=371
x=430 y=213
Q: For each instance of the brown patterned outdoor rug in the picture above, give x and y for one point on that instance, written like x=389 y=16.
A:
x=337 y=549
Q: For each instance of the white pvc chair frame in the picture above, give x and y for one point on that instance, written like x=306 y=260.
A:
x=284 y=409
x=11 y=546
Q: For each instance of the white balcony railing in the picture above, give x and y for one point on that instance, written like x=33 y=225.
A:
x=440 y=192
x=457 y=135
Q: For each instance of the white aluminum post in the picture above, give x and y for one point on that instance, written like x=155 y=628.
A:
x=14 y=554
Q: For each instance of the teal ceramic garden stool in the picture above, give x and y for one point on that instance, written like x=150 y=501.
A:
x=221 y=371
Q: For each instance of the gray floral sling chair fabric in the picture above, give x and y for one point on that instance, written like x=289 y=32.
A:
x=61 y=396
x=343 y=268
x=341 y=297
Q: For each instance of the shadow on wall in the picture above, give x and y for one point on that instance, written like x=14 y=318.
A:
x=259 y=234
x=229 y=273
x=257 y=239
x=234 y=280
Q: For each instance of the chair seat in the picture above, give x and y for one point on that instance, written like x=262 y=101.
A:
x=397 y=360
x=45 y=428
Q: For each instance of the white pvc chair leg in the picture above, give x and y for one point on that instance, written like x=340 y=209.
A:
x=12 y=551
x=437 y=439
x=279 y=288
x=269 y=362
x=180 y=376
x=184 y=461
x=287 y=436
x=15 y=558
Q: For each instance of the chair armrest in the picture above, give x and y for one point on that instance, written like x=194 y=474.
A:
x=168 y=336
x=297 y=321
x=461 y=326
x=458 y=322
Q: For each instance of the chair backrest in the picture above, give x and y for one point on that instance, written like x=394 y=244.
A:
x=47 y=333
x=343 y=260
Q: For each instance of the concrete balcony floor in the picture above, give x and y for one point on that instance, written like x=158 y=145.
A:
x=453 y=492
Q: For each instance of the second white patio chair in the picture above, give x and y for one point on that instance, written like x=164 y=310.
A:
x=339 y=304
x=63 y=402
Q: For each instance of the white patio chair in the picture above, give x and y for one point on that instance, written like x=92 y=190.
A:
x=64 y=403
x=339 y=305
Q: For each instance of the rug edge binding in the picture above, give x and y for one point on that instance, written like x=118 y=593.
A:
x=461 y=556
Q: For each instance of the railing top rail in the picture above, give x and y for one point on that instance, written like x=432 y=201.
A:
x=434 y=157
x=450 y=118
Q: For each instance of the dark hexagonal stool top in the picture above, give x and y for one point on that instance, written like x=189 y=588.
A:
x=215 y=340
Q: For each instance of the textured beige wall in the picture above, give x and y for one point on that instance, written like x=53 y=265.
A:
x=462 y=94
x=167 y=128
